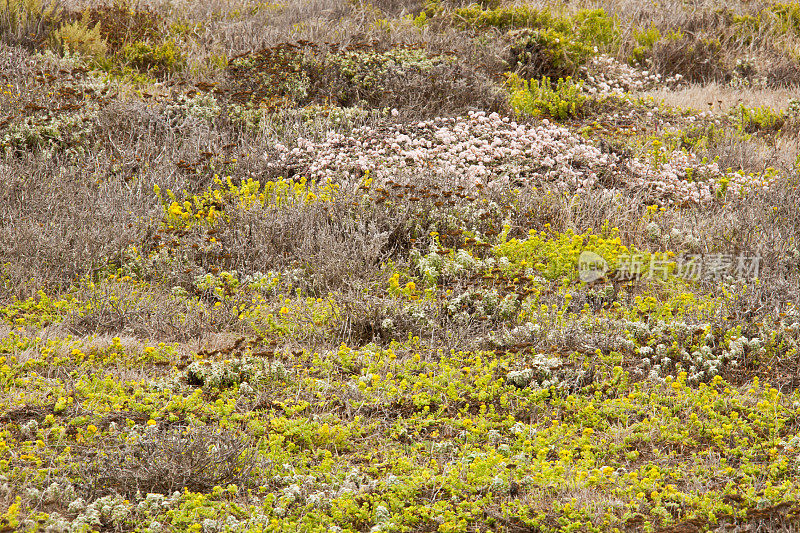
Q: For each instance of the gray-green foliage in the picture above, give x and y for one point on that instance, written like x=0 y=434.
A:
x=49 y=133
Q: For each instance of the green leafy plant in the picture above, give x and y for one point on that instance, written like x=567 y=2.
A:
x=160 y=59
x=540 y=98
x=789 y=15
x=544 y=43
x=596 y=27
x=757 y=119
x=80 y=37
x=546 y=52
x=523 y=16
x=645 y=40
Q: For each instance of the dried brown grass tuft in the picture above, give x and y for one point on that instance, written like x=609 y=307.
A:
x=164 y=459
x=60 y=226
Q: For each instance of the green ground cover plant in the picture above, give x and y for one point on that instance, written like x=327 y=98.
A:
x=399 y=266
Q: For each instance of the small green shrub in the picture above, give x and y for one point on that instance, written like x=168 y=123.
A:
x=645 y=40
x=543 y=43
x=505 y=18
x=184 y=28
x=698 y=137
x=594 y=26
x=538 y=53
x=159 y=59
x=539 y=98
x=79 y=37
x=747 y=24
x=757 y=119
x=557 y=46
x=589 y=27
x=789 y=16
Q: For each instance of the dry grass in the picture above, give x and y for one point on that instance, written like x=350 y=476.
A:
x=721 y=98
x=62 y=226
x=167 y=459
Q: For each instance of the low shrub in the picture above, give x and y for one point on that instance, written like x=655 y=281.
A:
x=645 y=41
x=159 y=59
x=547 y=52
x=80 y=37
x=789 y=15
x=697 y=57
x=540 y=98
x=544 y=43
x=757 y=119
x=504 y=18
x=163 y=460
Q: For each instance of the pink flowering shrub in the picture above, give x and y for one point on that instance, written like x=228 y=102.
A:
x=603 y=75
x=494 y=151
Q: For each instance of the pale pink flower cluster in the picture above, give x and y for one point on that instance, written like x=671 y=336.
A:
x=682 y=178
x=603 y=75
x=482 y=149
x=496 y=152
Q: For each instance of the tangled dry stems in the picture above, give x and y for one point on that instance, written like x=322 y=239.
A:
x=168 y=459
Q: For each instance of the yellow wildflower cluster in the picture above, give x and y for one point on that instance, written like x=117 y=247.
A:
x=207 y=207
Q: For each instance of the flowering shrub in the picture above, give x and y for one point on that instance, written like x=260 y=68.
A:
x=557 y=257
x=497 y=151
x=603 y=75
x=208 y=206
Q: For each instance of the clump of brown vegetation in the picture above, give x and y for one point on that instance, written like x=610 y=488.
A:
x=168 y=459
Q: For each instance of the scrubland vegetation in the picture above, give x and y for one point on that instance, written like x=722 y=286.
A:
x=399 y=266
